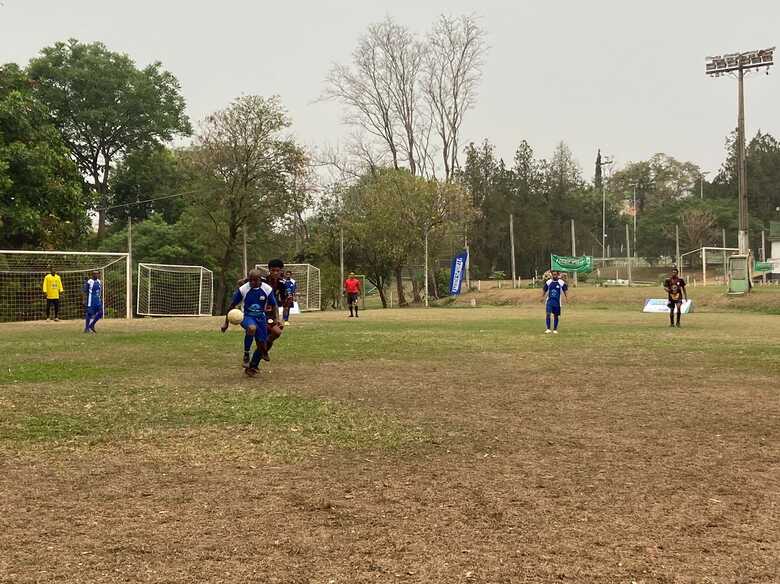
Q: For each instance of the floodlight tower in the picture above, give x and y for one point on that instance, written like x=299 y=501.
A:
x=737 y=64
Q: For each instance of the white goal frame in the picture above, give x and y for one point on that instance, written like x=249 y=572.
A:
x=69 y=264
x=205 y=301
x=307 y=277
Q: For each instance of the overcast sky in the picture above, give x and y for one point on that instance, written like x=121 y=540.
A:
x=622 y=75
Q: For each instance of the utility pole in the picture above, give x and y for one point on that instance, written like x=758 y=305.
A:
x=603 y=161
x=573 y=248
x=628 y=254
x=341 y=263
x=701 y=184
x=636 y=212
x=426 y=267
x=512 y=245
x=738 y=64
x=129 y=303
x=677 y=247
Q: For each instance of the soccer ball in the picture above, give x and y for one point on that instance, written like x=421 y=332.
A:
x=235 y=316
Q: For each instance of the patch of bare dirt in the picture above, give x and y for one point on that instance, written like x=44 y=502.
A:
x=534 y=474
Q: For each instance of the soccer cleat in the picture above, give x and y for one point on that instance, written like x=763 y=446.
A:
x=246 y=360
x=555 y=332
x=250 y=371
x=547 y=332
x=56 y=319
x=92 y=330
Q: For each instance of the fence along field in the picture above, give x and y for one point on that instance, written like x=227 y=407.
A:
x=440 y=445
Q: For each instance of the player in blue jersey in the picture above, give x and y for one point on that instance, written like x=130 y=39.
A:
x=553 y=290
x=291 y=287
x=92 y=294
x=257 y=298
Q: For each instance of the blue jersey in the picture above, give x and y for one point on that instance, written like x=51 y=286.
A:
x=555 y=289
x=256 y=300
x=94 y=291
x=291 y=286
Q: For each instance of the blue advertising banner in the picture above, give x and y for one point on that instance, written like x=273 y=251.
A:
x=458 y=272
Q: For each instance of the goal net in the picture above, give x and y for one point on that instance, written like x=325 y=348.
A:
x=307 y=280
x=706 y=266
x=169 y=290
x=22 y=274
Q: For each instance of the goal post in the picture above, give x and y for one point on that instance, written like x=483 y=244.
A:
x=307 y=280
x=174 y=290
x=21 y=283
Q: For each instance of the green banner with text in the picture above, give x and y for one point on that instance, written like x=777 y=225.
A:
x=760 y=267
x=581 y=265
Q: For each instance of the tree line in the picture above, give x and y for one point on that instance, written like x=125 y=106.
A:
x=86 y=147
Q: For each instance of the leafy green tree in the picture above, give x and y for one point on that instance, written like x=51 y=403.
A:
x=105 y=107
x=244 y=173
x=763 y=175
x=153 y=172
x=156 y=241
x=42 y=202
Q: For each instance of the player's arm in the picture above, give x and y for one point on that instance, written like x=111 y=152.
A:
x=235 y=301
x=565 y=288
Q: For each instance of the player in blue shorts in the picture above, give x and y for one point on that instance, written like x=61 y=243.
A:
x=257 y=297
x=552 y=291
x=92 y=294
x=291 y=286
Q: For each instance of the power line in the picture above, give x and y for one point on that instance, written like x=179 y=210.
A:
x=123 y=205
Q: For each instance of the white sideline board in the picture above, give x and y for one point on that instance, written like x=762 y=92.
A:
x=658 y=305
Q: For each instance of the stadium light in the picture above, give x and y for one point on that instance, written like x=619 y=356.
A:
x=739 y=64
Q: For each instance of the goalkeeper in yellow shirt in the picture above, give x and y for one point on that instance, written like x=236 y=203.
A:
x=52 y=287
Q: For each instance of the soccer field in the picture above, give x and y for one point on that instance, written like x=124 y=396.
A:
x=447 y=445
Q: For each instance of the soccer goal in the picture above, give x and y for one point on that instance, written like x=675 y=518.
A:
x=170 y=290
x=22 y=274
x=307 y=279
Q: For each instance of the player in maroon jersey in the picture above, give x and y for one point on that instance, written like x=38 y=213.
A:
x=275 y=279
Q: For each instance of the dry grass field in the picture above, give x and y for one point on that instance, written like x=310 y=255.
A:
x=447 y=445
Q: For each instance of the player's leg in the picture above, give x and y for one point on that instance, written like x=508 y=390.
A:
x=249 y=325
x=349 y=304
x=679 y=312
x=96 y=316
x=671 y=313
x=48 y=309
x=87 y=318
x=56 y=304
x=556 y=315
x=547 y=319
x=357 y=297
x=261 y=352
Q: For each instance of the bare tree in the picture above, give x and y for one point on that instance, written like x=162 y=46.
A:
x=455 y=52
x=698 y=226
x=366 y=86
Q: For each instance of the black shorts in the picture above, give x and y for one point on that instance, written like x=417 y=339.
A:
x=352 y=298
x=673 y=303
